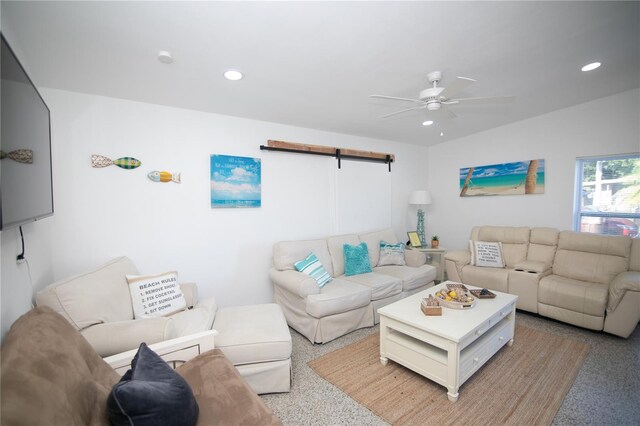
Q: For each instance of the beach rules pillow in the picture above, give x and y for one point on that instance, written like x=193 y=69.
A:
x=156 y=295
x=487 y=254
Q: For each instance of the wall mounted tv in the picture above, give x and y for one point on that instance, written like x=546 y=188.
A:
x=26 y=185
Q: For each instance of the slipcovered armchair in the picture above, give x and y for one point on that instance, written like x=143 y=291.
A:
x=99 y=305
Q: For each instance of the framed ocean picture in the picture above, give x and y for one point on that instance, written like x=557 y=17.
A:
x=235 y=181
x=518 y=178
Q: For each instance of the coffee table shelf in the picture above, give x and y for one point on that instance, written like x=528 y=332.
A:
x=450 y=348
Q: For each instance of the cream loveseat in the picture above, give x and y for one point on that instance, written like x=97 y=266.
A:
x=588 y=280
x=98 y=304
x=346 y=303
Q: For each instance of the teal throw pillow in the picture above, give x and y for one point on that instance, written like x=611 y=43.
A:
x=356 y=259
x=313 y=267
x=391 y=254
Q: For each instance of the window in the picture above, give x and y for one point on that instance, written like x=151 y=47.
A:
x=607 y=195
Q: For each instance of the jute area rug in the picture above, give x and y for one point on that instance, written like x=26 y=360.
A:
x=524 y=384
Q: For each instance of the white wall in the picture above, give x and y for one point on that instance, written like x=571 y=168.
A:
x=103 y=213
x=17 y=279
x=606 y=126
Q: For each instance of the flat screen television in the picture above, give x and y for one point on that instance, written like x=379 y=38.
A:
x=26 y=183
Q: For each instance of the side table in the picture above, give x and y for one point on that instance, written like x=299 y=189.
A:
x=437 y=259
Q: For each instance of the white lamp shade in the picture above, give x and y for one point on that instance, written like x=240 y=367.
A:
x=420 y=198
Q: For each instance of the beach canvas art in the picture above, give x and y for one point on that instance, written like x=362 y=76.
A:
x=518 y=178
x=235 y=181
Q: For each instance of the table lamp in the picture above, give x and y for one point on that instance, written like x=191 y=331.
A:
x=420 y=198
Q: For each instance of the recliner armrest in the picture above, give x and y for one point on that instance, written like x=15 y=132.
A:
x=115 y=337
x=294 y=282
x=454 y=261
x=531 y=266
x=623 y=282
x=459 y=257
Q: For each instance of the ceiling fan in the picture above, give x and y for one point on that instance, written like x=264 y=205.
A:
x=433 y=98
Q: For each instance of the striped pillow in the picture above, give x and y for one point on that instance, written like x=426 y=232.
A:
x=312 y=267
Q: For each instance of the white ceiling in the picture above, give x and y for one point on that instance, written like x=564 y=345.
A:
x=314 y=64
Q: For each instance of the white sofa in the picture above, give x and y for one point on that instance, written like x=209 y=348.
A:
x=346 y=303
x=254 y=338
x=588 y=280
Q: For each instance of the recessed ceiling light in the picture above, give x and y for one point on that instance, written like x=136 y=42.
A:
x=592 y=66
x=441 y=133
x=233 y=75
x=165 y=57
x=427 y=123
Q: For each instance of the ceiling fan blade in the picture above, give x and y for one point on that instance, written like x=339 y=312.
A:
x=471 y=101
x=443 y=114
x=403 y=110
x=395 y=98
x=448 y=115
x=458 y=85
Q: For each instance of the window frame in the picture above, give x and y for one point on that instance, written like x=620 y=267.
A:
x=577 y=190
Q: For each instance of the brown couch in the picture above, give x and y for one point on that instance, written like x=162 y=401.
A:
x=51 y=375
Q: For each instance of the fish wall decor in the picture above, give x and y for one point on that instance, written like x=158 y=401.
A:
x=157 y=176
x=124 y=162
x=24 y=156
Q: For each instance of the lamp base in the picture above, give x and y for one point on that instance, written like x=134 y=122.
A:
x=420 y=227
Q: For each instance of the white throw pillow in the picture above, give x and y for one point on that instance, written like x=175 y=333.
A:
x=391 y=254
x=156 y=295
x=485 y=253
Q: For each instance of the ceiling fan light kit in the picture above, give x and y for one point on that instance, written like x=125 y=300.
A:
x=233 y=75
x=433 y=98
x=592 y=66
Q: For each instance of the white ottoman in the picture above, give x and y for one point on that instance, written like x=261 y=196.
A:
x=257 y=341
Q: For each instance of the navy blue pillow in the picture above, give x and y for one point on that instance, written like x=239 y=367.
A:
x=151 y=393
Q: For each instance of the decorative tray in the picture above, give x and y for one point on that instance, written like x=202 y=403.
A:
x=483 y=294
x=456 y=286
x=456 y=297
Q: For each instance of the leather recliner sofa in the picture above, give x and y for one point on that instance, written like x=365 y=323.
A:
x=588 y=280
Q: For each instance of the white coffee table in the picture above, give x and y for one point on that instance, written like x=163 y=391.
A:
x=447 y=349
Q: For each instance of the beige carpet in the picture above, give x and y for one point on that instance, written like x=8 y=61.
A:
x=522 y=384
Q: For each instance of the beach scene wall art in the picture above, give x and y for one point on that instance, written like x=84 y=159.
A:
x=235 y=182
x=518 y=178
